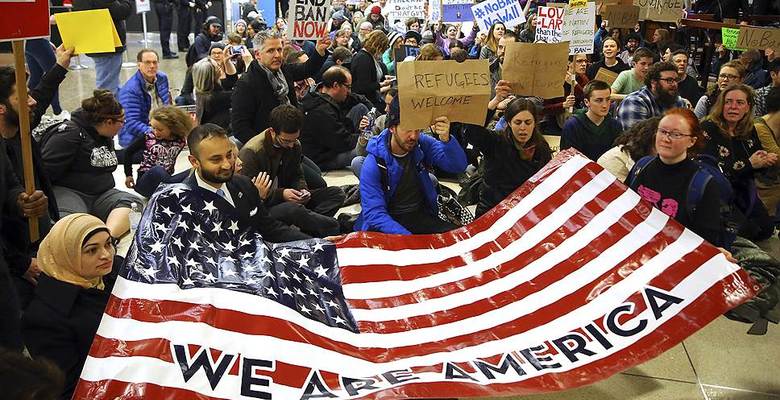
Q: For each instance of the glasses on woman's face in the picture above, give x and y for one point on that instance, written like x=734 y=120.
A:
x=728 y=77
x=671 y=134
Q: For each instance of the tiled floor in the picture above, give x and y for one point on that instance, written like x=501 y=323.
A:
x=719 y=362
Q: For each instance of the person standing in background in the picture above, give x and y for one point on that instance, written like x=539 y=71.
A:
x=164 y=10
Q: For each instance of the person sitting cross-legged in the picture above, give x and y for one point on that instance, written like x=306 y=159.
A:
x=274 y=158
x=396 y=191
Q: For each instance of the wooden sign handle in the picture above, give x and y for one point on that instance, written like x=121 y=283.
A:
x=24 y=130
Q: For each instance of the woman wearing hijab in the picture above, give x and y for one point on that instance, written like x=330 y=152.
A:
x=61 y=321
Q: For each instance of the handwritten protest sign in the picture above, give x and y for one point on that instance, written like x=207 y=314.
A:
x=660 y=10
x=758 y=38
x=621 y=16
x=578 y=26
x=606 y=75
x=456 y=10
x=536 y=69
x=405 y=9
x=730 y=36
x=549 y=24
x=308 y=19
x=489 y=12
x=427 y=90
x=90 y=31
x=434 y=10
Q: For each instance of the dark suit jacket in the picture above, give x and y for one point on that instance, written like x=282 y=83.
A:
x=250 y=210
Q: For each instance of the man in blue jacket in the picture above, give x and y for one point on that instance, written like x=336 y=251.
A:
x=396 y=192
x=146 y=90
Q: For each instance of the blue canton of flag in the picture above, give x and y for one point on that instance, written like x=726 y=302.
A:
x=186 y=240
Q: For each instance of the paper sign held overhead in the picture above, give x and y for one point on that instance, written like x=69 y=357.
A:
x=434 y=10
x=508 y=12
x=427 y=90
x=24 y=19
x=758 y=38
x=456 y=11
x=405 y=9
x=90 y=31
x=536 y=69
x=730 y=37
x=308 y=19
x=578 y=28
x=621 y=16
x=660 y=10
x=549 y=24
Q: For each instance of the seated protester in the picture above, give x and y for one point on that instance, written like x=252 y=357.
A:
x=274 y=158
x=687 y=86
x=611 y=62
x=413 y=39
x=376 y=18
x=761 y=94
x=60 y=323
x=768 y=130
x=160 y=148
x=496 y=64
x=590 y=130
x=447 y=33
x=395 y=40
x=334 y=119
x=528 y=34
x=146 y=90
x=367 y=134
x=658 y=95
x=340 y=56
x=368 y=70
x=490 y=45
x=731 y=139
x=730 y=73
x=211 y=32
x=633 y=79
x=555 y=111
x=20 y=376
x=80 y=160
x=237 y=52
x=635 y=143
x=512 y=155
x=303 y=86
x=213 y=159
x=430 y=52
x=396 y=191
x=665 y=179
x=755 y=75
x=213 y=78
x=631 y=45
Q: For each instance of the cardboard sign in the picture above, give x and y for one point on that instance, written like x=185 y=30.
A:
x=489 y=12
x=24 y=20
x=606 y=75
x=456 y=10
x=427 y=90
x=403 y=52
x=142 y=6
x=730 y=36
x=90 y=31
x=660 y=10
x=536 y=69
x=621 y=16
x=549 y=24
x=308 y=19
x=434 y=10
x=578 y=28
x=758 y=38
x=405 y=9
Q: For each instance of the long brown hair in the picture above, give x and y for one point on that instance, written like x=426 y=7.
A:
x=517 y=106
x=491 y=41
x=745 y=125
x=376 y=42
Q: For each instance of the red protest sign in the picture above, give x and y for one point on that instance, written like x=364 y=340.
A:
x=24 y=19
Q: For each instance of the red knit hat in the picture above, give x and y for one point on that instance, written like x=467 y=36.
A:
x=376 y=10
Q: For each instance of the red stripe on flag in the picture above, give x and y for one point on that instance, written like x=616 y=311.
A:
x=406 y=242
x=118 y=390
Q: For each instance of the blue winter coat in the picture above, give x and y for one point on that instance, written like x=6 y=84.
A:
x=137 y=104
x=373 y=197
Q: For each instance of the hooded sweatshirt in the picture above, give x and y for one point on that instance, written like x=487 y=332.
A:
x=590 y=139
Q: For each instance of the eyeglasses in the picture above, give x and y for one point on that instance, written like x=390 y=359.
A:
x=728 y=77
x=348 y=86
x=671 y=135
x=669 y=81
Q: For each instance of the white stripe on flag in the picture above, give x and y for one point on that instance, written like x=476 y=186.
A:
x=356 y=257
x=271 y=348
x=597 y=226
x=529 y=240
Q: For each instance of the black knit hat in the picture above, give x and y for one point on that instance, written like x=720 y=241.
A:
x=394 y=114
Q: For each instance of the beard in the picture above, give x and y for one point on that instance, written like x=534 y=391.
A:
x=12 y=116
x=218 y=177
x=665 y=97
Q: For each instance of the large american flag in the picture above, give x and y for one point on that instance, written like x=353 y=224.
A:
x=571 y=279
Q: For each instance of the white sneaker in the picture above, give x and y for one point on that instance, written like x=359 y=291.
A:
x=63 y=115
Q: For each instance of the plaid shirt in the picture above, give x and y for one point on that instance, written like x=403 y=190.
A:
x=760 y=109
x=641 y=105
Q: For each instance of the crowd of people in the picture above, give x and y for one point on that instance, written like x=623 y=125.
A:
x=271 y=114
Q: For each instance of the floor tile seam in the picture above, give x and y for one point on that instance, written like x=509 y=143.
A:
x=695 y=373
x=741 y=390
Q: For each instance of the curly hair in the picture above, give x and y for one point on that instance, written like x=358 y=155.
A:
x=639 y=140
x=376 y=42
x=175 y=119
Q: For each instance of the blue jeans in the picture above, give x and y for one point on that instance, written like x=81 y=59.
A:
x=107 y=72
x=40 y=58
